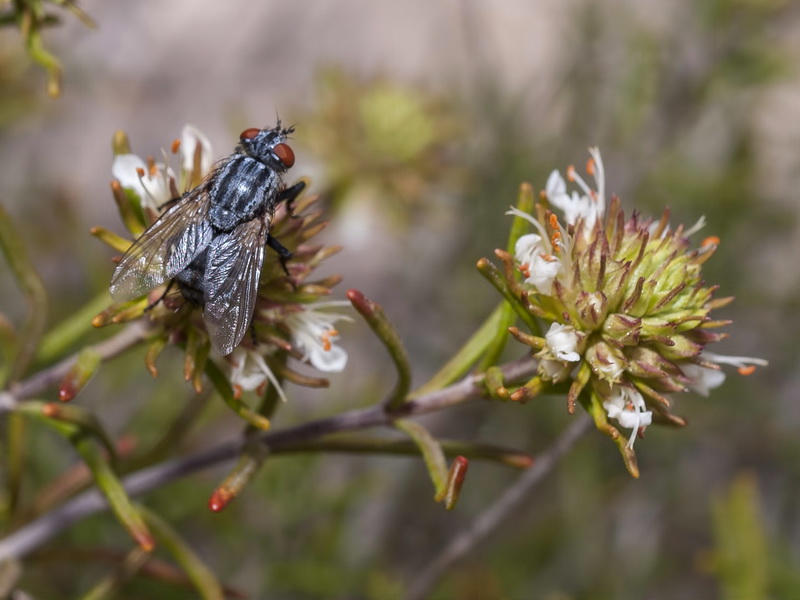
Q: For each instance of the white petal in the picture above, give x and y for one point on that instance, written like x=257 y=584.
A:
x=333 y=360
x=555 y=186
x=125 y=169
x=191 y=136
x=701 y=379
x=563 y=341
x=527 y=247
x=542 y=274
x=553 y=370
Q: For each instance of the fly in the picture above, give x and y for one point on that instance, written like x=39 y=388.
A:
x=212 y=240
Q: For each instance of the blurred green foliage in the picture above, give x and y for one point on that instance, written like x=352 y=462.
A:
x=673 y=110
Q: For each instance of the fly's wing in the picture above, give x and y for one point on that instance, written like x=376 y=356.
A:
x=231 y=282
x=165 y=248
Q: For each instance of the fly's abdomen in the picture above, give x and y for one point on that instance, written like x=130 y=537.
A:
x=244 y=189
x=191 y=280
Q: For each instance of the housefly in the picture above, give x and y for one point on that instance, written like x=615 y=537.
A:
x=211 y=241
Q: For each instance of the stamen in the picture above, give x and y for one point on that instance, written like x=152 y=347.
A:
x=525 y=269
x=140 y=172
x=711 y=240
x=571 y=173
x=553 y=221
x=555 y=241
x=548 y=257
x=176 y=144
x=326 y=339
x=748 y=370
x=590 y=167
x=237 y=391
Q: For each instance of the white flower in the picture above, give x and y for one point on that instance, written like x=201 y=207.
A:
x=553 y=370
x=562 y=340
x=703 y=379
x=627 y=406
x=249 y=371
x=314 y=335
x=591 y=205
x=191 y=138
x=538 y=265
x=154 y=183
x=150 y=183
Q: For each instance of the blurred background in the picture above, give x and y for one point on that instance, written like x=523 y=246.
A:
x=417 y=122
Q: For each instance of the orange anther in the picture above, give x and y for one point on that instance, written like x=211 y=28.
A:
x=590 y=166
x=555 y=241
x=711 y=240
x=326 y=339
x=553 y=221
x=176 y=144
x=237 y=391
x=525 y=269
x=153 y=170
x=140 y=172
x=748 y=370
x=571 y=173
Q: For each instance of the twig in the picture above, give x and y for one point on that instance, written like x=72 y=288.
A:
x=34 y=534
x=36 y=384
x=498 y=512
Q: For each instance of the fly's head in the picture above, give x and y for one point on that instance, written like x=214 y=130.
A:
x=268 y=146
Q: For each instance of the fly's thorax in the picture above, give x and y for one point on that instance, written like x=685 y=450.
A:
x=243 y=189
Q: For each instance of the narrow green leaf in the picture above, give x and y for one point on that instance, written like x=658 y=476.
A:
x=525 y=203
x=200 y=575
x=107 y=481
x=496 y=278
x=375 y=317
x=223 y=386
x=455 y=480
x=741 y=558
x=31 y=285
x=70 y=331
x=79 y=374
x=109 y=588
x=251 y=459
x=471 y=351
x=432 y=452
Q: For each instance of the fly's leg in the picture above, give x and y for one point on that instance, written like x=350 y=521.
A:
x=283 y=252
x=168 y=204
x=289 y=195
x=152 y=305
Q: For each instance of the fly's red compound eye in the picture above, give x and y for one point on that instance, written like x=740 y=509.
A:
x=249 y=134
x=285 y=154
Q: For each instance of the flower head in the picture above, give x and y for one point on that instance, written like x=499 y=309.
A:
x=627 y=312
x=289 y=320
